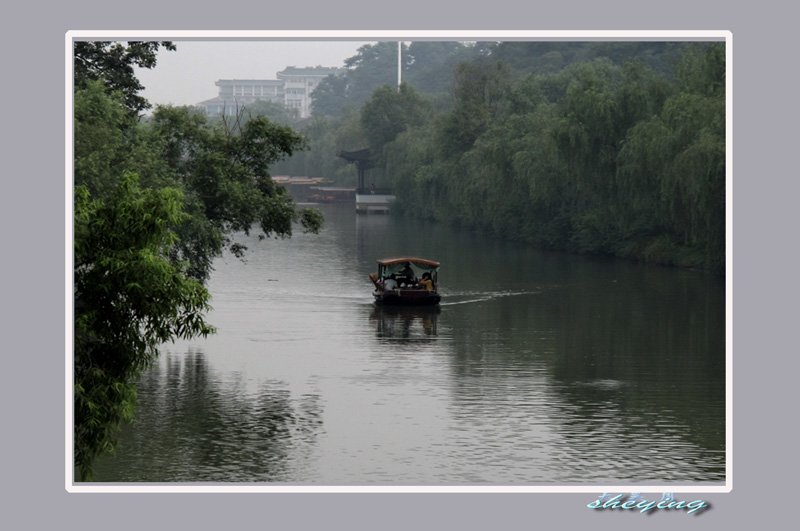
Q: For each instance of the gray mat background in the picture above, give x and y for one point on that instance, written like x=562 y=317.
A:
x=764 y=297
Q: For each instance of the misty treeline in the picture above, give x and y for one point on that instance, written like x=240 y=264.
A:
x=603 y=148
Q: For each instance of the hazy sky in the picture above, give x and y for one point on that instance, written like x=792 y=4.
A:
x=187 y=75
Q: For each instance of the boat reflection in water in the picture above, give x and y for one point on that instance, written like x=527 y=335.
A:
x=404 y=324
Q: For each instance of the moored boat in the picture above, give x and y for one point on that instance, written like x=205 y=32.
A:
x=406 y=281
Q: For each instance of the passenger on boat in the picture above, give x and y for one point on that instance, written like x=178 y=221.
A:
x=390 y=283
x=426 y=281
x=406 y=276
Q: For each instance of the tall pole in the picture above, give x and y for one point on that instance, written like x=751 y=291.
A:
x=399 y=63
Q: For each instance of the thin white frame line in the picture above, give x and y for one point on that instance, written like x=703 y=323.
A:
x=465 y=35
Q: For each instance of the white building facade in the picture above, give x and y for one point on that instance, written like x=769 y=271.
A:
x=293 y=89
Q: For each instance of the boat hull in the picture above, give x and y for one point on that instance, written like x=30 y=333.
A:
x=410 y=297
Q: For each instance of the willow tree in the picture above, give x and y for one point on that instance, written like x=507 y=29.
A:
x=129 y=298
x=674 y=163
x=391 y=111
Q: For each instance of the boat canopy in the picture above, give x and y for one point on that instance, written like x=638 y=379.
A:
x=395 y=265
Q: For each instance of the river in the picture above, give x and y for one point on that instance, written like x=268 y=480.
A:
x=538 y=368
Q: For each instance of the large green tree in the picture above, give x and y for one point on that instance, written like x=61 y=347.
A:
x=374 y=65
x=113 y=63
x=391 y=111
x=430 y=64
x=155 y=202
x=129 y=298
x=224 y=172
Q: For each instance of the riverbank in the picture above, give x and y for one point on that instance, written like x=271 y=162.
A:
x=561 y=235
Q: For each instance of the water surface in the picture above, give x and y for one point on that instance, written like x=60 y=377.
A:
x=538 y=369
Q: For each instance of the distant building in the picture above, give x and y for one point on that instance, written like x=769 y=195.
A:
x=293 y=89
x=299 y=83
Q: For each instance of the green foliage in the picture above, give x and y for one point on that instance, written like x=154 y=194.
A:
x=374 y=65
x=225 y=174
x=326 y=136
x=113 y=62
x=479 y=91
x=330 y=96
x=430 y=61
x=426 y=65
x=641 y=94
x=409 y=163
x=598 y=157
x=389 y=113
x=129 y=298
x=155 y=202
x=674 y=163
x=551 y=57
x=100 y=123
x=701 y=70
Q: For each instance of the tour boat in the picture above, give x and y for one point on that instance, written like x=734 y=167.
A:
x=406 y=281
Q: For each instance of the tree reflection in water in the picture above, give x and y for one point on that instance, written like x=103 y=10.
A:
x=198 y=428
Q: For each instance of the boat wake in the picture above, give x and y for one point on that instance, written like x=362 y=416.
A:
x=453 y=299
